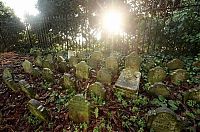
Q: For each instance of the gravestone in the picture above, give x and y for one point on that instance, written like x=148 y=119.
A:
x=95 y=59
x=112 y=64
x=128 y=83
x=59 y=59
x=8 y=79
x=163 y=120
x=82 y=70
x=7 y=73
x=175 y=64
x=79 y=109
x=63 y=66
x=49 y=58
x=133 y=61
x=38 y=61
x=27 y=89
x=36 y=72
x=38 y=110
x=160 y=89
x=179 y=76
x=73 y=61
x=48 y=64
x=27 y=66
x=193 y=94
x=104 y=76
x=67 y=82
x=156 y=74
x=97 y=89
x=47 y=74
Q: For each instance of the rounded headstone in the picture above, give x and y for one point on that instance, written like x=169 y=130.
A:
x=27 y=66
x=133 y=61
x=36 y=72
x=179 y=76
x=97 y=89
x=112 y=64
x=156 y=74
x=47 y=74
x=67 y=82
x=27 y=89
x=159 y=89
x=175 y=64
x=82 y=70
x=104 y=76
x=38 y=61
x=192 y=94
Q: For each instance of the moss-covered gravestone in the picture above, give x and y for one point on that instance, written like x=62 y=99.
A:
x=163 y=120
x=133 y=61
x=38 y=110
x=49 y=58
x=63 y=66
x=27 y=89
x=95 y=59
x=175 y=64
x=160 y=89
x=156 y=74
x=9 y=81
x=104 y=76
x=73 y=61
x=48 y=64
x=192 y=94
x=179 y=76
x=97 y=89
x=36 y=72
x=38 y=61
x=47 y=74
x=82 y=70
x=128 y=83
x=112 y=64
x=27 y=66
x=67 y=82
x=79 y=109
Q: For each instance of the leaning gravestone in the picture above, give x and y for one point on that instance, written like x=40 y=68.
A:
x=128 y=83
x=175 y=64
x=38 y=61
x=79 y=109
x=38 y=110
x=47 y=74
x=27 y=66
x=82 y=70
x=27 y=89
x=73 y=61
x=97 y=89
x=104 y=76
x=8 y=79
x=156 y=74
x=133 y=61
x=67 y=82
x=163 y=120
x=112 y=64
x=160 y=89
x=95 y=59
x=179 y=76
x=193 y=94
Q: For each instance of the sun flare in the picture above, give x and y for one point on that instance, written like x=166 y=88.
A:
x=112 y=21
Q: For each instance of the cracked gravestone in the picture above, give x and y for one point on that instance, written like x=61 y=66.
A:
x=175 y=64
x=133 y=61
x=38 y=110
x=27 y=66
x=95 y=59
x=104 y=76
x=38 y=61
x=8 y=79
x=79 y=109
x=179 y=76
x=128 y=83
x=160 y=89
x=156 y=74
x=193 y=94
x=67 y=82
x=97 y=89
x=47 y=74
x=73 y=61
x=82 y=70
x=111 y=64
x=163 y=120
x=26 y=88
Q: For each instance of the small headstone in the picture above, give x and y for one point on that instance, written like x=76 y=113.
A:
x=128 y=83
x=63 y=66
x=27 y=66
x=47 y=64
x=104 y=76
x=175 y=64
x=133 y=61
x=38 y=110
x=49 y=58
x=27 y=89
x=160 y=89
x=11 y=84
x=193 y=94
x=179 y=76
x=163 y=120
x=95 y=59
x=38 y=61
x=47 y=74
x=67 y=82
x=82 y=70
x=112 y=64
x=73 y=61
x=36 y=72
x=79 y=109
x=7 y=73
x=156 y=74
x=97 y=89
